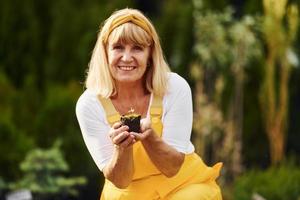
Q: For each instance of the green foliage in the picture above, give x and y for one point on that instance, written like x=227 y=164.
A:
x=56 y=119
x=276 y=183
x=222 y=41
x=211 y=42
x=176 y=35
x=7 y=93
x=212 y=4
x=50 y=40
x=13 y=149
x=43 y=174
x=2 y=184
x=224 y=48
x=280 y=25
x=14 y=141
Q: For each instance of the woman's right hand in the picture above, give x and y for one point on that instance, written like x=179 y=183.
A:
x=120 y=136
x=119 y=170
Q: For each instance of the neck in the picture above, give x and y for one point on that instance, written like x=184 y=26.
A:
x=131 y=96
x=130 y=91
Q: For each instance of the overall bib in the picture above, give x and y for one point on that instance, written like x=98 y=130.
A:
x=194 y=180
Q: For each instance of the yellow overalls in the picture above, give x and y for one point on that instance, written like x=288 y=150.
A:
x=194 y=181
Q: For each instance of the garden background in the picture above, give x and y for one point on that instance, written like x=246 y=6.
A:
x=241 y=59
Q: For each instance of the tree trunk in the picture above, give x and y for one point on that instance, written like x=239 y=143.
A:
x=238 y=121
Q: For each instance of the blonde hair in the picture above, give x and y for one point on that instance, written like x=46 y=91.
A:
x=127 y=25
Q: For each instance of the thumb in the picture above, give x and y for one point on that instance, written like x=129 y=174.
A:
x=145 y=124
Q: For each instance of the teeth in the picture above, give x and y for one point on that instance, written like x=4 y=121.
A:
x=126 y=68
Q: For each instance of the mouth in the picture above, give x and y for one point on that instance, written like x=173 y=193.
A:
x=126 y=68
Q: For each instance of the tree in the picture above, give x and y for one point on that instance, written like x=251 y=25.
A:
x=43 y=174
x=224 y=46
x=279 y=61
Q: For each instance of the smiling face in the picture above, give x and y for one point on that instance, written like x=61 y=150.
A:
x=127 y=61
x=128 y=51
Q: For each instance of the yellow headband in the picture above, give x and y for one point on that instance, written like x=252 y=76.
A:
x=127 y=18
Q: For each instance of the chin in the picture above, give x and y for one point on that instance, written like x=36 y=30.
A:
x=128 y=79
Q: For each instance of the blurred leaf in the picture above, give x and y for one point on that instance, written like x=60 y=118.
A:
x=276 y=183
x=44 y=173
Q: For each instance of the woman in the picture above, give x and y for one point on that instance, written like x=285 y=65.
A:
x=127 y=71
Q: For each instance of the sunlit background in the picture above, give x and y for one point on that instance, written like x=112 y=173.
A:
x=241 y=59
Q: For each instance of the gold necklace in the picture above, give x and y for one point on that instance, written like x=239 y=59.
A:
x=139 y=107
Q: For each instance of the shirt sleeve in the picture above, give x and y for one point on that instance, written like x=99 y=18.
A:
x=94 y=129
x=178 y=115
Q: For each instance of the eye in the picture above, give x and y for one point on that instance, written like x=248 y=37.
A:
x=138 y=47
x=117 y=47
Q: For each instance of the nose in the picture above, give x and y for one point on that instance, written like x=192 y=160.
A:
x=127 y=56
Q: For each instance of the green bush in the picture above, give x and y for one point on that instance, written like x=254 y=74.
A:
x=275 y=183
x=44 y=174
x=56 y=119
x=2 y=184
x=15 y=136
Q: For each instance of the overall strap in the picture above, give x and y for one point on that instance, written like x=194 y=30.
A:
x=156 y=114
x=156 y=108
x=112 y=115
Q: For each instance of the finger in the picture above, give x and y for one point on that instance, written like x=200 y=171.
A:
x=128 y=141
x=117 y=125
x=133 y=141
x=120 y=137
x=115 y=132
x=145 y=124
x=143 y=135
x=121 y=129
x=137 y=136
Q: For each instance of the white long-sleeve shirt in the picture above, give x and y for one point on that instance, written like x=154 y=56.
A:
x=177 y=119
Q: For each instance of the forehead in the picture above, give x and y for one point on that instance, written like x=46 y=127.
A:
x=130 y=33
